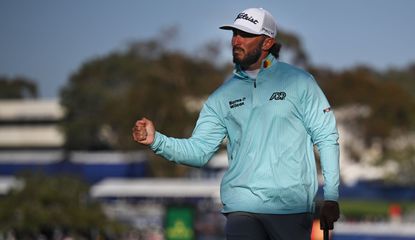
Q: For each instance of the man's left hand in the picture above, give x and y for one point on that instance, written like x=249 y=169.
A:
x=329 y=214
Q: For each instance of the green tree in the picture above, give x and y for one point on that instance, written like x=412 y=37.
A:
x=46 y=204
x=105 y=97
x=17 y=88
x=404 y=77
x=293 y=47
x=392 y=108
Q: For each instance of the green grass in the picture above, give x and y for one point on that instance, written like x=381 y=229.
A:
x=371 y=209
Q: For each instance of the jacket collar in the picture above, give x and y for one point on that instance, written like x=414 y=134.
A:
x=266 y=63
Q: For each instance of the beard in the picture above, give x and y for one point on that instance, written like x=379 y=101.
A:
x=248 y=59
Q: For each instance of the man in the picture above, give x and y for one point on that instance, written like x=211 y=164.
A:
x=272 y=114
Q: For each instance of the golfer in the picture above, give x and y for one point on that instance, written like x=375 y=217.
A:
x=272 y=114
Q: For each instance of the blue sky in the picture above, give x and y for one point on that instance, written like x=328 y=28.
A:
x=47 y=40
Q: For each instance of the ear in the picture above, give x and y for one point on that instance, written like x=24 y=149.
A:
x=268 y=43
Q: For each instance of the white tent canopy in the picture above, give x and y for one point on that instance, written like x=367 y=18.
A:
x=156 y=187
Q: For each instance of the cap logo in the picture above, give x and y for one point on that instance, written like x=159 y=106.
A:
x=267 y=31
x=245 y=16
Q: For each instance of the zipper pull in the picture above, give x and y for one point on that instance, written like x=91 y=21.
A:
x=255 y=83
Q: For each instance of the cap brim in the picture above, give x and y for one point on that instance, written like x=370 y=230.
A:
x=239 y=27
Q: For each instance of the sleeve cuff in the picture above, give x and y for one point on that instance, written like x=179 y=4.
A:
x=334 y=197
x=157 y=141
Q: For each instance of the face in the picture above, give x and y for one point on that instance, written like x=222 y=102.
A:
x=246 y=49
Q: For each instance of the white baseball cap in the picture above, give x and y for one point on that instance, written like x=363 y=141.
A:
x=256 y=21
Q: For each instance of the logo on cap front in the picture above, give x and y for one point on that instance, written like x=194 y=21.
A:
x=245 y=16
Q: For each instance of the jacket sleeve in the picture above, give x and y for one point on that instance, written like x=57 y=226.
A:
x=320 y=123
x=200 y=147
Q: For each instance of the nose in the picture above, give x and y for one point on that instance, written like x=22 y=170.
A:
x=236 y=39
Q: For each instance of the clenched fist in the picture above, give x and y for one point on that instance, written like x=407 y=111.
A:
x=144 y=131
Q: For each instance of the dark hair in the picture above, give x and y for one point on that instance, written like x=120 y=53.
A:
x=275 y=50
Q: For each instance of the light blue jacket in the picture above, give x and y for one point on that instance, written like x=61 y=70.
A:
x=271 y=124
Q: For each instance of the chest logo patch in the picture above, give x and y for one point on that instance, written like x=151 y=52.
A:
x=278 y=96
x=237 y=102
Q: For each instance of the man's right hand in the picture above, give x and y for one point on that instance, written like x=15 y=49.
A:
x=144 y=131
